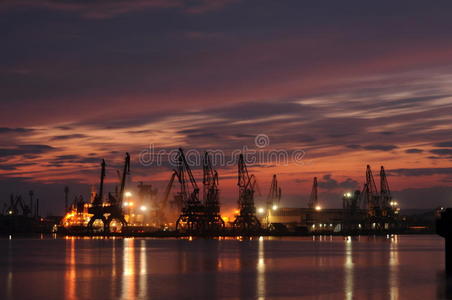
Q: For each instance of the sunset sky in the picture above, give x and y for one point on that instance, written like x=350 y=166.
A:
x=349 y=83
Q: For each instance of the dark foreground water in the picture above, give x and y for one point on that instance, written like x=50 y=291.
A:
x=404 y=267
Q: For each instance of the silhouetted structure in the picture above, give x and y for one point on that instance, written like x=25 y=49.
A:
x=246 y=221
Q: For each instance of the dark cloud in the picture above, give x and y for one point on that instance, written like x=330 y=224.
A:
x=68 y=137
x=328 y=183
x=373 y=147
x=25 y=150
x=14 y=130
x=421 y=171
x=414 y=151
x=441 y=151
x=444 y=144
x=261 y=109
x=15 y=166
x=380 y=147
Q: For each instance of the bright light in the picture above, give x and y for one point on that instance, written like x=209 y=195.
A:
x=318 y=207
x=10 y=212
x=125 y=204
x=260 y=210
x=143 y=208
x=128 y=194
x=275 y=207
x=348 y=195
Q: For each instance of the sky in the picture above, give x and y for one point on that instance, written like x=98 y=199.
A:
x=345 y=84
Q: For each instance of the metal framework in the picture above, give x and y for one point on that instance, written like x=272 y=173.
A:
x=191 y=217
x=246 y=220
x=313 y=198
x=211 y=196
x=113 y=209
x=96 y=208
x=274 y=195
x=115 y=204
x=385 y=193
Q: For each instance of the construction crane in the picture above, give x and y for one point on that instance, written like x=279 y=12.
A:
x=385 y=193
x=274 y=195
x=191 y=217
x=115 y=204
x=313 y=198
x=371 y=197
x=96 y=208
x=211 y=195
x=246 y=221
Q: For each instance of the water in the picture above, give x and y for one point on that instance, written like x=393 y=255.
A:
x=404 y=267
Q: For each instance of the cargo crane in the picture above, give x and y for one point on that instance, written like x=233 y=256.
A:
x=371 y=197
x=246 y=221
x=115 y=204
x=390 y=208
x=273 y=199
x=191 y=217
x=26 y=210
x=164 y=202
x=212 y=218
x=313 y=198
x=96 y=208
x=15 y=203
x=274 y=195
x=385 y=194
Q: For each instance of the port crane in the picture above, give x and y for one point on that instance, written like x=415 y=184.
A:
x=191 y=217
x=246 y=220
x=313 y=198
x=114 y=209
x=96 y=208
x=211 y=194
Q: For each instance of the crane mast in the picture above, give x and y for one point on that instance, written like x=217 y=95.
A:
x=313 y=198
x=211 y=194
x=191 y=217
x=246 y=220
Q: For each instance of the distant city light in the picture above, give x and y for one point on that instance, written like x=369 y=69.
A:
x=275 y=207
x=318 y=208
x=143 y=208
x=128 y=194
x=260 y=210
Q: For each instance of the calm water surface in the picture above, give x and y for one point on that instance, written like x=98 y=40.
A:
x=404 y=267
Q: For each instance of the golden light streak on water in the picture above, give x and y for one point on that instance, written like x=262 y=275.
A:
x=128 y=279
x=348 y=267
x=394 y=268
x=261 y=270
x=71 y=272
x=142 y=284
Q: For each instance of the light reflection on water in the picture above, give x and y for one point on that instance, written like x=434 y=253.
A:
x=399 y=267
